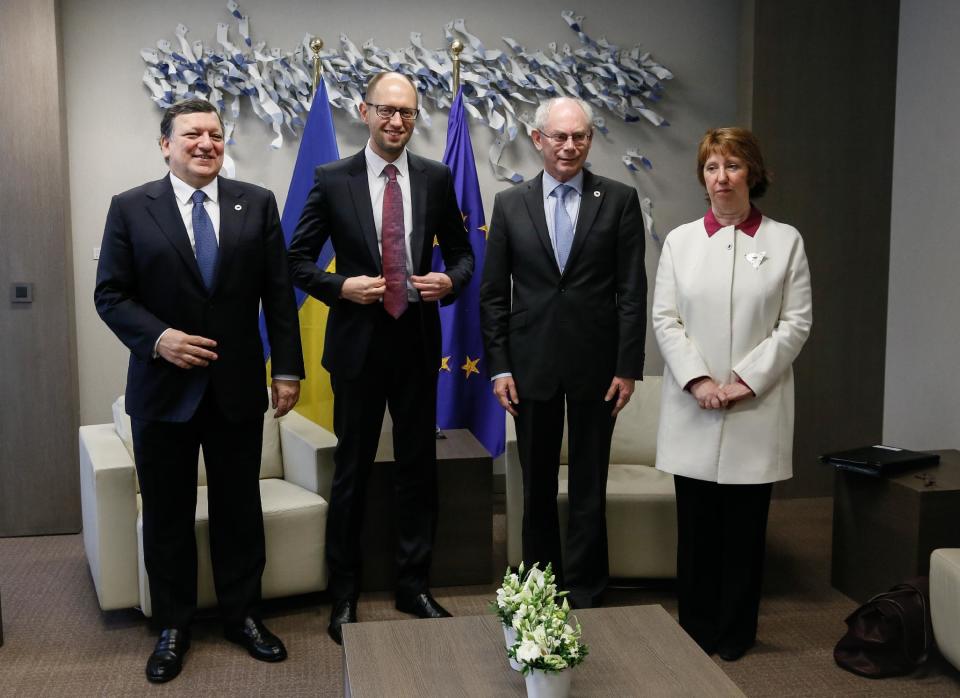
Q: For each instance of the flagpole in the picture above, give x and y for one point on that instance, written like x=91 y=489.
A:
x=316 y=44
x=456 y=48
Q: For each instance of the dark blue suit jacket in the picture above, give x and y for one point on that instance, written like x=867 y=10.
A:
x=148 y=280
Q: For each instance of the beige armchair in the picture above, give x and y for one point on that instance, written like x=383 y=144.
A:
x=641 y=504
x=295 y=475
x=945 y=602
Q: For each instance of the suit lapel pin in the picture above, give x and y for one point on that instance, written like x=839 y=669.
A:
x=238 y=207
x=755 y=258
x=596 y=194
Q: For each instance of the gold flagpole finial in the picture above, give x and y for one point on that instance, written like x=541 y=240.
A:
x=456 y=48
x=316 y=44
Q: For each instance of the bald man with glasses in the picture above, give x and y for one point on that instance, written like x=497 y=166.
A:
x=382 y=209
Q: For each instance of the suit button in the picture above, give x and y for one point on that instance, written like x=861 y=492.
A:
x=563 y=289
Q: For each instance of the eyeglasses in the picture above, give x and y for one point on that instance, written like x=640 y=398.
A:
x=385 y=111
x=578 y=138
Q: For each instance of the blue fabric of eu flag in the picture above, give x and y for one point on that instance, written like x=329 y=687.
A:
x=465 y=397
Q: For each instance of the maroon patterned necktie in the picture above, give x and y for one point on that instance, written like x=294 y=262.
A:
x=393 y=243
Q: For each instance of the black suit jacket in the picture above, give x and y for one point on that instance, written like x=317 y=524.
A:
x=148 y=280
x=574 y=330
x=339 y=208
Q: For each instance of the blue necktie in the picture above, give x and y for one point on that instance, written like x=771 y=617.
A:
x=204 y=240
x=562 y=225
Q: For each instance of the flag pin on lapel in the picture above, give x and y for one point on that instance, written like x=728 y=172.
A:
x=755 y=258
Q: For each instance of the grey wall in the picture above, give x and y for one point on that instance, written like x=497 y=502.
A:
x=39 y=473
x=921 y=407
x=823 y=108
x=113 y=124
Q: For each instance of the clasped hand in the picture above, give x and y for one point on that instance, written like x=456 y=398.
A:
x=711 y=395
x=370 y=289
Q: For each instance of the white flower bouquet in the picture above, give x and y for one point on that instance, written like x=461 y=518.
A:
x=545 y=638
x=533 y=588
x=539 y=634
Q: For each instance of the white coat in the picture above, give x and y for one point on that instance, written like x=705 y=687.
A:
x=717 y=314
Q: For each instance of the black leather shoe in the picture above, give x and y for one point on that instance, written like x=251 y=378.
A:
x=167 y=658
x=259 y=642
x=421 y=605
x=731 y=653
x=344 y=611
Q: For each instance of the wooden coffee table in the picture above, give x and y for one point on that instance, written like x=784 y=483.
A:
x=634 y=651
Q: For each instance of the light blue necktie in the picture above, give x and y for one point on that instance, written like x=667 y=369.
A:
x=562 y=225
x=204 y=240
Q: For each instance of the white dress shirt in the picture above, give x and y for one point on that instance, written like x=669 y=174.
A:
x=377 y=182
x=183 y=192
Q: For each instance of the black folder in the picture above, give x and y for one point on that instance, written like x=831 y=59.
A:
x=879 y=460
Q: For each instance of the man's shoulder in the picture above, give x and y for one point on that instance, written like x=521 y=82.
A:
x=426 y=164
x=238 y=187
x=145 y=192
x=343 y=165
x=613 y=186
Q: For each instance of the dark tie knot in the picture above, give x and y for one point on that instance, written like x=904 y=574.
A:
x=391 y=172
x=198 y=196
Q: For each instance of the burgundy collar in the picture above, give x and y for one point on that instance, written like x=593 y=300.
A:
x=748 y=227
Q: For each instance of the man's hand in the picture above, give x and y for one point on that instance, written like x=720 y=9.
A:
x=363 y=289
x=186 y=350
x=284 y=395
x=735 y=392
x=432 y=286
x=623 y=389
x=708 y=394
x=506 y=391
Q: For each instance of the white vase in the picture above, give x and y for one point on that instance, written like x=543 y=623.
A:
x=510 y=637
x=542 y=684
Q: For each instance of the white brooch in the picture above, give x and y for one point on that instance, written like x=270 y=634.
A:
x=596 y=194
x=755 y=258
x=238 y=207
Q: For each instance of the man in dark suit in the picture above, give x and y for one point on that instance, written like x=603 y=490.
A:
x=185 y=263
x=568 y=331
x=383 y=209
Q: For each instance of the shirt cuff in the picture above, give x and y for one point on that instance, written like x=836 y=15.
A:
x=501 y=375
x=157 y=343
x=286 y=378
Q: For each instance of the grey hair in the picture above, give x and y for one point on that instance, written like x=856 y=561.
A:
x=543 y=111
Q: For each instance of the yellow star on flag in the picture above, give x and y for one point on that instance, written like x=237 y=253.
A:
x=471 y=366
x=445 y=363
x=435 y=241
x=486 y=231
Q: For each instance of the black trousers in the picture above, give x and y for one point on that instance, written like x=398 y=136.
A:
x=722 y=533
x=397 y=373
x=586 y=569
x=166 y=459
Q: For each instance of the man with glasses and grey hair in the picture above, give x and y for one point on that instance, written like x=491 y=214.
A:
x=382 y=209
x=563 y=309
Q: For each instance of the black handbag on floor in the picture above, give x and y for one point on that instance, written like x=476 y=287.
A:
x=889 y=635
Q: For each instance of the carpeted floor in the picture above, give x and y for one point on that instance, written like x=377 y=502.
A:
x=58 y=642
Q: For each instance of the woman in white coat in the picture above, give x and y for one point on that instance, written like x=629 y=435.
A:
x=731 y=311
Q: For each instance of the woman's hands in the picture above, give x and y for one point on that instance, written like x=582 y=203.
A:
x=711 y=395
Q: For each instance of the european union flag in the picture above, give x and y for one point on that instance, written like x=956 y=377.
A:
x=317 y=146
x=464 y=396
